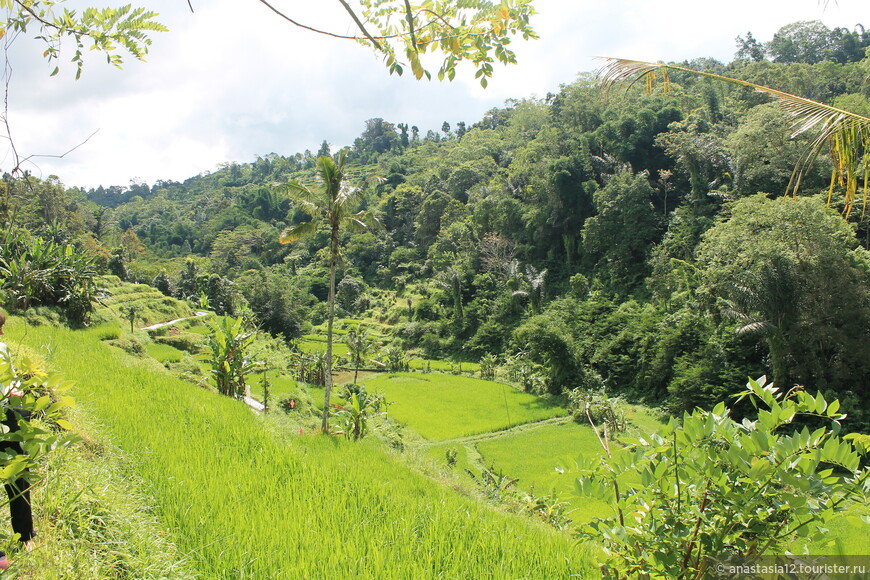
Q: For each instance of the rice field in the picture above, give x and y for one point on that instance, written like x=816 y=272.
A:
x=439 y=406
x=241 y=502
x=543 y=459
x=163 y=352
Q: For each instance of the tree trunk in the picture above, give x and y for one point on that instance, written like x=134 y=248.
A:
x=330 y=303
x=328 y=378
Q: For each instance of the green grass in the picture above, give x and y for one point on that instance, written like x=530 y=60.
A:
x=94 y=522
x=280 y=385
x=543 y=459
x=446 y=406
x=164 y=353
x=244 y=503
x=338 y=347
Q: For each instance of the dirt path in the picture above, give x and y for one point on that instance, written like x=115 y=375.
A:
x=176 y=321
x=254 y=404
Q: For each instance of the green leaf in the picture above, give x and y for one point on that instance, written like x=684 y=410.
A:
x=41 y=403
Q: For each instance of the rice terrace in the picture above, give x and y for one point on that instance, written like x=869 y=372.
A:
x=539 y=324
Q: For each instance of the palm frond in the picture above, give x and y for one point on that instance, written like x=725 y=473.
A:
x=356 y=225
x=298 y=231
x=846 y=135
x=299 y=192
x=757 y=327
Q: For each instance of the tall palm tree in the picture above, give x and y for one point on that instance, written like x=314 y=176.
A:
x=845 y=135
x=329 y=205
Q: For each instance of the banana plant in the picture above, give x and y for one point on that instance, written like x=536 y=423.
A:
x=226 y=350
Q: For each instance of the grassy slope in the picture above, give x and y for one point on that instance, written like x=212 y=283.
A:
x=243 y=504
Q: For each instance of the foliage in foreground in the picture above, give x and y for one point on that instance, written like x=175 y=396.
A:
x=713 y=488
x=38 y=397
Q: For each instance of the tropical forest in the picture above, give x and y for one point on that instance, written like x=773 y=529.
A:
x=620 y=330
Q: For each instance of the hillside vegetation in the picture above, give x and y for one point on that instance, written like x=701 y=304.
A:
x=499 y=286
x=638 y=243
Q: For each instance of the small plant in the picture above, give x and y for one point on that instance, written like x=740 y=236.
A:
x=311 y=368
x=450 y=455
x=529 y=375
x=361 y=407
x=396 y=361
x=488 y=364
x=359 y=346
x=131 y=312
x=267 y=391
x=495 y=485
x=598 y=407
x=227 y=353
x=550 y=509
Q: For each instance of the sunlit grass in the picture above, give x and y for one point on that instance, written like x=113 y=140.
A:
x=441 y=406
x=338 y=347
x=419 y=364
x=543 y=459
x=163 y=352
x=244 y=504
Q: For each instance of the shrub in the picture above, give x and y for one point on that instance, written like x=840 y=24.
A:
x=715 y=487
x=38 y=272
x=598 y=407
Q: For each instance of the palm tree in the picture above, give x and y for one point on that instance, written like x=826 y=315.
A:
x=845 y=135
x=331 y=205
x=451 y=281
x=535 y=293
x=359 y=346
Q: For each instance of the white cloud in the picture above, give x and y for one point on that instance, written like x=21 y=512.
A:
x=232 y=80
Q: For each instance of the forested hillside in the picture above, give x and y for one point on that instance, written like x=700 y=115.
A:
x=639 y=242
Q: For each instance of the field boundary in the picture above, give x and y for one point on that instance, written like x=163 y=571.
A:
x=471 y=439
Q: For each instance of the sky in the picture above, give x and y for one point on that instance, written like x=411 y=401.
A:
x=231 y=81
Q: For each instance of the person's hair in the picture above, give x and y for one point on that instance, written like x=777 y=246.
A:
x=2 y=318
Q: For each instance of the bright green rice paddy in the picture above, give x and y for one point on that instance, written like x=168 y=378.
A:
x=442 y=407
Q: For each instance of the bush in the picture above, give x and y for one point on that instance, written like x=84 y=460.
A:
x=36 y=272
x=715 y=487
x=129 y=345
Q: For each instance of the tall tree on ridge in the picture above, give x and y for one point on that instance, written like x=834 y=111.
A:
x=331 y=205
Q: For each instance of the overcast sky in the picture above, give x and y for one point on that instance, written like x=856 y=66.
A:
x=232 y=81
